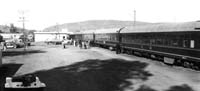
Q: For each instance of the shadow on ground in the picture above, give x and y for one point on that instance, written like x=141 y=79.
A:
x=20 y=52
x=94 y=75
x=7 y=70
x=145 y=88
x=183 y=87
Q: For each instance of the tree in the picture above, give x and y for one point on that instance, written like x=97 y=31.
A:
x=1 y=31
x=13 y=29
x=1 y=38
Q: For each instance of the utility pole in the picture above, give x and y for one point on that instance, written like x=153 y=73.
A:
x=22 y=19
x=57 y=28
x=134 y=17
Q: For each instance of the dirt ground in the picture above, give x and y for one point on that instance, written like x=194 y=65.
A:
x=95 y=69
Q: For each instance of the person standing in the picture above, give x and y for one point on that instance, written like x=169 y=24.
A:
x=118 y=48
x=74 y=42
x=88 y=44
x=80 y=44
x=64 y=42
x=1 y=41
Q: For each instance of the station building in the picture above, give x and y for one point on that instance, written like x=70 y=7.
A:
x=44 y=36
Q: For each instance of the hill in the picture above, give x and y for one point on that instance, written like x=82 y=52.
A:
x=4 y=28
x=8 y=29
x=92 y=24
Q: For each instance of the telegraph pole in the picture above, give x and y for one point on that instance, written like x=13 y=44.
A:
x=22 y=19
x=134 y=17
x=57 y=26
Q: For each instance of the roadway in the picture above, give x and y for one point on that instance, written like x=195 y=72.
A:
x=96 y=69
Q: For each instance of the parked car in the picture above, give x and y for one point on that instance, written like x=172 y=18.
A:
x=66 y=42
x=25 y=39
x=17 y=43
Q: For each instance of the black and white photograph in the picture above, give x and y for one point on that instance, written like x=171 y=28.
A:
x=100 y=45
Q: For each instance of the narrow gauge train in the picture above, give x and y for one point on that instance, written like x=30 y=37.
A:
x=171 y=43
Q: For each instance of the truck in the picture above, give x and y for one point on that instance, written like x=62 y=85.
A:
x=54 y=41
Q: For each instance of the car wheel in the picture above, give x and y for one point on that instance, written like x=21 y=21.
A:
x=4 y=48
x=29 y=44
x=15 y=46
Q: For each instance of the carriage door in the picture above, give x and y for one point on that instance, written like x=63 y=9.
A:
x=93 y=35
x=119 y=37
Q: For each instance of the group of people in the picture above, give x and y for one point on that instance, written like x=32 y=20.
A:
x=78 y=43
x=82 y=44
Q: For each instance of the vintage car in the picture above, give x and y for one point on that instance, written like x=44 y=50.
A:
x=66 y=42
x=24 y=83
x=27 y=39
x=17 y=43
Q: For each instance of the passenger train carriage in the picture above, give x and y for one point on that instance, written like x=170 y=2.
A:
x=172 y=43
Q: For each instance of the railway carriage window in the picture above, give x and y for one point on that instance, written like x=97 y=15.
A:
x=143 y=40
x=127 y=39
x=146 y=41
x=120 y=38
x=169 y=42
x=124 y=39
x=108 y=37
x=185 y=43
x=133 y=41
x=165 y=42
x=175 y=43
x=136 y=41
x=153 y=41
x=191 y=43
x=159 y=41
x=112 y=38
x=139 y=41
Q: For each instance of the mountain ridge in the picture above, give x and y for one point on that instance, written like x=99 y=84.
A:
x=92 y=24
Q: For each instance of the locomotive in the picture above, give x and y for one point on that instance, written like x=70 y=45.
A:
x=171 y=43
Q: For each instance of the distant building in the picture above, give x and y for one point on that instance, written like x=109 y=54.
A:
x=44 y=36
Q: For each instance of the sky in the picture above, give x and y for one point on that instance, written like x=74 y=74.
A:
x=40 y=14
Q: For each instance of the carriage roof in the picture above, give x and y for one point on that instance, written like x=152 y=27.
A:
x=163 y=27
x=154 y=27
